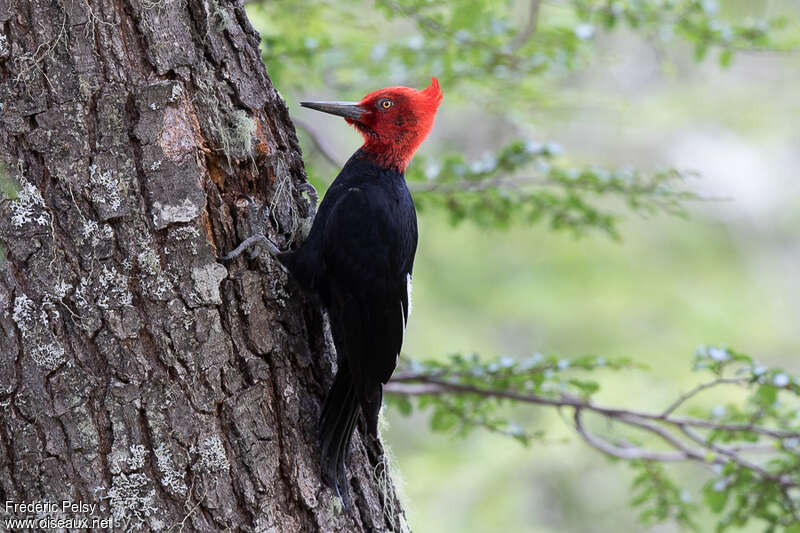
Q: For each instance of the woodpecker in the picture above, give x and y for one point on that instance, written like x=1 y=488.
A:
x=359 y=257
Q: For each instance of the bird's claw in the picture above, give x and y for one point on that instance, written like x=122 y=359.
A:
x=253 y=240
x=256 y=216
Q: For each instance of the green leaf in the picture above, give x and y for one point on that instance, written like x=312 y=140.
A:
x=700 y=51
x=443 y=420
x=725 y=58
x=766 y=395
x=402 y=403
x=587 y=388
x=8 y=188
x=715 y=498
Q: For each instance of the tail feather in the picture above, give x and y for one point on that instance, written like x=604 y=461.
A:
x=341 y=453
x=338 y=420
x=372 y=409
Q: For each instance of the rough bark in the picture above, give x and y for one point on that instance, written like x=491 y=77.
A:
x=137 y=372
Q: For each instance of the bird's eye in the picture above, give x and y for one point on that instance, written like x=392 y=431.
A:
x=385 y=103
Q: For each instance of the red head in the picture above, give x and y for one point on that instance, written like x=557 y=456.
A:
x=393 y=121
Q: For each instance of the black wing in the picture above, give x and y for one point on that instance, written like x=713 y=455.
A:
x=367 y=257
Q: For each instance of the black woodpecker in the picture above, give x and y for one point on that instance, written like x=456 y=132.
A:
x=359 y=257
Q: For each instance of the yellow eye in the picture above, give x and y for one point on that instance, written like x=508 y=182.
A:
x=385 y=103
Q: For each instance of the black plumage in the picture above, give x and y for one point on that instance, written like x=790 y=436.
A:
x=359 y=258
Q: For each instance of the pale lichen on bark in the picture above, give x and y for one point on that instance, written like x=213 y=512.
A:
x=136 y=371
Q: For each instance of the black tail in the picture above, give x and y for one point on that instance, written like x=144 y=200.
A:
x=338 y=420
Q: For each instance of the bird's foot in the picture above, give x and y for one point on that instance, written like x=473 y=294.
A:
x=257 y=218
x=253 y=240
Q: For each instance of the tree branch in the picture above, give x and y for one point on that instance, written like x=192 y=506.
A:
x=699 y=388
x=529 y=29
x=628 y=453
x=477 y=185
x=662 y=425
x=435 y=386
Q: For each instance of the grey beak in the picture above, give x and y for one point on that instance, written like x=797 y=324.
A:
x=349 y=110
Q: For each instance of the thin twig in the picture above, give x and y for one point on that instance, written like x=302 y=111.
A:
x=784 y=482
x=627 y=453
x=737 y=458
x=529 y=29
x=685 y=451
x=411 y=375
x=477 y=185
x=319 y=143
x=699 y=388
x=518 y=182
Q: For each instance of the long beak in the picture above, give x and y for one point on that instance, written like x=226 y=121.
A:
x=349 y=110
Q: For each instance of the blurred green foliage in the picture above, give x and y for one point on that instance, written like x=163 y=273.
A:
x=502 y=65
x=544 y=376
x=8 y=192
x=465 y=393
x=491 y=192
x=8 y=188
x=482 y=53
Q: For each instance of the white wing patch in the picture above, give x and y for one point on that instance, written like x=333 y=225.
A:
x=408 y=288
x=403 y=313
x=403 y=336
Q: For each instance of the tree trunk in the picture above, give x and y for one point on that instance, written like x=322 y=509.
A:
x=137 y=372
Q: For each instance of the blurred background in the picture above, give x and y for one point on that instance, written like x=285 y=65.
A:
x=618 y=95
